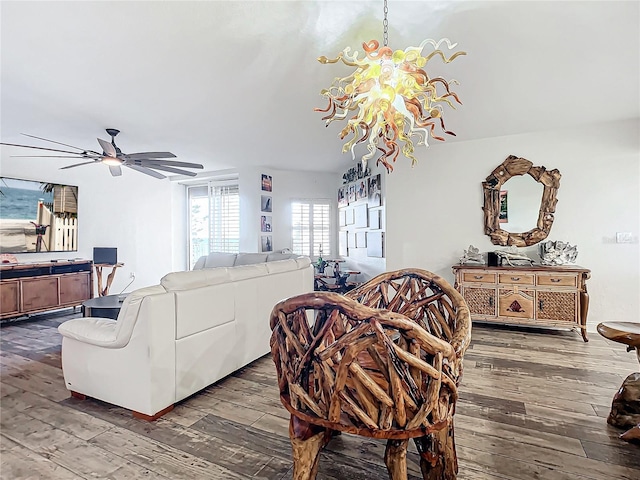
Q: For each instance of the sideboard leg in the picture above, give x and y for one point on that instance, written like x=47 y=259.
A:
x=584 y=309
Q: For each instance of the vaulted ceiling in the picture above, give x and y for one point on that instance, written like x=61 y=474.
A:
x=231 y=84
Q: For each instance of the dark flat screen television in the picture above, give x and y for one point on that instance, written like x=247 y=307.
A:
x=37 y=216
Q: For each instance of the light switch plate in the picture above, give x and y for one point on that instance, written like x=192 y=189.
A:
x=624 y=237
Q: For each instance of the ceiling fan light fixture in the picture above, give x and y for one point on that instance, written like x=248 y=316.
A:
x=392 y=97
x=112 y=161
x=112 y=156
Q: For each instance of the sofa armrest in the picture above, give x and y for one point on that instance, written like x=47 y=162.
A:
x=95 y=331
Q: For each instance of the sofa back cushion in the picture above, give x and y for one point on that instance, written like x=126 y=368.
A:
x=178 y=281
x=272 y=257
x=250 y=258
x=215 y=259
x=203 y=308
x=244 y=272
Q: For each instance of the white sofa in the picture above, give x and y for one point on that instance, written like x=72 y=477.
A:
x=173 y=339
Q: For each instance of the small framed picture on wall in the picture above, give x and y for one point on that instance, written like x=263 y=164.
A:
x=374 y=191
x=265 y=203
x=343 y=199
x=352 y=192
x=267 y=183
x=375 y=244
x=265 y=223
x=266 y=243
x=374 y=219
x=361 y=189
x=361 y=218
x=342 y=244
x=342 y=218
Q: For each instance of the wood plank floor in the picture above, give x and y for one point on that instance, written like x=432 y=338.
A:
x=533 y=406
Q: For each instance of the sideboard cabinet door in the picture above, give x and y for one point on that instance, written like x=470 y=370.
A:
x=557 y=306
x=481 y=301
x=39 y=293
x=9 y=297
x=74 y=288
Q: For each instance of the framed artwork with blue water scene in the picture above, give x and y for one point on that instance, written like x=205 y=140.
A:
x=37 y=216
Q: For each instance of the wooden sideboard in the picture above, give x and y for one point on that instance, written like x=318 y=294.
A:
x=526 y=295
x=37 y=287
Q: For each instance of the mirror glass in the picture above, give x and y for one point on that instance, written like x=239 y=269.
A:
x=520 y=199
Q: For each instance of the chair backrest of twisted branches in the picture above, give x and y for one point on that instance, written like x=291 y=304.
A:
x=387 y=372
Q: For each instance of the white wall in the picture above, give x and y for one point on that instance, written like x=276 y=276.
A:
x=134 y=213
x=434 y=211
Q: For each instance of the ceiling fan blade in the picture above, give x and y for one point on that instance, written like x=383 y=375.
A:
x=59 y=143
x=146 y=170
x=52 y=156
x=41 y=148
x=170 y=163
x=115 y=170
x=170 y=169
x=107 y=148
x=78 y=164
x=145 y=155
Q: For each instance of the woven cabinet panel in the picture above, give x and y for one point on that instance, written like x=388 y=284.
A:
x=481 y=301
x=556 y=305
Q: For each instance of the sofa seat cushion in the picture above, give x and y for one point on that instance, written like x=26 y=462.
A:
x=95 y=331
x=250 y=258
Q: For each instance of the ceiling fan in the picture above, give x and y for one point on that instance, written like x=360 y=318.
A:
x=112 y=156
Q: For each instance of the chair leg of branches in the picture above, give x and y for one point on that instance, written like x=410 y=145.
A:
x=306 y=442
x=438 y=460
x=395 y=457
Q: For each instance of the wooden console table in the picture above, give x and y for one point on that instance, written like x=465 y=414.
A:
x=27 y=288
x=538 y=295
x=98 y=266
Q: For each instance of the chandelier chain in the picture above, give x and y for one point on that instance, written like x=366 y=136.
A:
x=385 y=24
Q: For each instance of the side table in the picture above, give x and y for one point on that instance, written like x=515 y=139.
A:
x=625 y=408
x=98 y=266
x=107 y=306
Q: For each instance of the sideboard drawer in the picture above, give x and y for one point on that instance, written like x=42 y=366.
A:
x=515 y=279
x=558 y=280
x=479 y=277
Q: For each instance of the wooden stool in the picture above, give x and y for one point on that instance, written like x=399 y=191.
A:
x=625 y=408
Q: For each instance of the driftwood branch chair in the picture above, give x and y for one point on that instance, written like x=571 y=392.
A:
x=383 y=361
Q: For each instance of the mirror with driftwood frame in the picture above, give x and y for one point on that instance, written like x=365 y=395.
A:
x=513 y=166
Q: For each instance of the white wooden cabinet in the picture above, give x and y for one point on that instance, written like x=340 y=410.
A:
x=527 y=295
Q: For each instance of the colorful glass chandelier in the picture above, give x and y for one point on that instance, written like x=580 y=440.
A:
x=392 y=98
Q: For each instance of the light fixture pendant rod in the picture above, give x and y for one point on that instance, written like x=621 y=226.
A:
x=385 y=25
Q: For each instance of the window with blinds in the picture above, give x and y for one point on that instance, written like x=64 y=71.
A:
x=214 y=219
x=311 y=227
